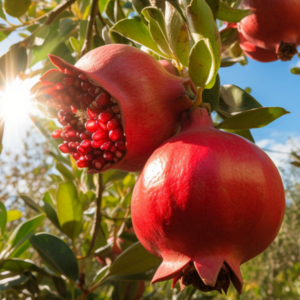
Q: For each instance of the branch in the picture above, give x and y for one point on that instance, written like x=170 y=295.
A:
x=98 y=216
x=89 y=36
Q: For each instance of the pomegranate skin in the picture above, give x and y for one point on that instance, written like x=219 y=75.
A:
x=273 y=22
x=150 y=99
x=169 y=67
x=207 y=199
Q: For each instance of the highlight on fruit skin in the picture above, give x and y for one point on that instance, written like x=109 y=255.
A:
x=273 y=27
x=116 y=106
x=206 y=202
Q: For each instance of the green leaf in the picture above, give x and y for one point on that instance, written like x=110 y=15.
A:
x=69 y=209
x=13 y=215
x=137 y=32
x=201 y=63
x=203 y=26
x=243 y=133
x=17 y=252
x=16 y=8
x=234 y=100
x=19 y=266
x=10 y=279
x=28 y=201
x=231 y=14
x=100 y=274
x=157 y=29
x=75 y=44
x=254 y=118
x=212 y=95
x=2 y=14
x=177 y=33
x=51 y=214
x=295 y=71
x=214 y=6
x=135 y=260
x=3 y=217
x=56 y=253
x=228 y=37
x=229 y=61
x=102 y=4
x=139 y=5
x=64 y=171
x=66 y=26
x=23 y=231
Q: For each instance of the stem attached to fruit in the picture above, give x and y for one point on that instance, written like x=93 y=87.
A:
x=198 y=99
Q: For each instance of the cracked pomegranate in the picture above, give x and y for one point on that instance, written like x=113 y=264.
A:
x=274 y=26
x=116 y=106
x=206 y=202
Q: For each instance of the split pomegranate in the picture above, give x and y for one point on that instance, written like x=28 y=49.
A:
x=273 y=26
x=116 y=106
x=206 y=202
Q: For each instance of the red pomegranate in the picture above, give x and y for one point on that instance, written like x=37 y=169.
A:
x=274 y=25
x=117 y=105
x=169 y=67
x=206 y=202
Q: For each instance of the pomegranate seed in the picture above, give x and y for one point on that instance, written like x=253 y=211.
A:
x=113 y=124
x=102 y=126
x=67 y=100
x=85 y=135
x=73 y=144
x=78 y=95
x=113 y=148
x=56 y=134
x=108 y=155
x=120 y=145
x=68 y=80
x=71 y=134
x=97 y=152
x=105 y=116
x=83 y=77
x=90 y=156
x=72 y=91
x=85 y=85
x=98 y=135
x=70 y=72
x=91 y=114
x=99 y=163
x=88 y=99
x=76 y=155
x=119 y=153
x=74 y=109
x=62 y=122
x=96 y=144
x=91 y=126
x=85 y=147
x=115 y=159
x=94 y=90
x=103 y=99
x=82 y=162
x=115 y=109
x=116 y=134
x=77 y=83
x=73 y=122
x=106 y=145
x=64 y=148
x=59 y=86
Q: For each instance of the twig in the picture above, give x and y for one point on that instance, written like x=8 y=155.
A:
x=52 y=15
x=98 y=216
x=87 y=46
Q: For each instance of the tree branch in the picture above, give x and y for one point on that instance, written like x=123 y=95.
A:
x=53 y=14
x=87 y=46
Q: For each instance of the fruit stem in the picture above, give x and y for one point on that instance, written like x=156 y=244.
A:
x=198 y=99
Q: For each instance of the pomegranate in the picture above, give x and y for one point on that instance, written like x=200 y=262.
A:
x=169 y=67
x=274 y=26
x=206 y=202
x=117 y=105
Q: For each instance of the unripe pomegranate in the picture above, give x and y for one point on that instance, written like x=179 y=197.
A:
x=274 y=25
x=117 y=105
x=206 y=202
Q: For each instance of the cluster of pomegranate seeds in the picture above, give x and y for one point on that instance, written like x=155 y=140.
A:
x=92 y=131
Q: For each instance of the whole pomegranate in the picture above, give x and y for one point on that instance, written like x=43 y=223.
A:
x=274 y=25
x=206 y=202
x=117 y=105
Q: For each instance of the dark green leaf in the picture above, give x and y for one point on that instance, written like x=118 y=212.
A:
x=231 y=14
x=2 y=14
x=66 y=26
x=229 y=61
x=234 y=100
x=28 y=201
x=139 y=5
x=64 y=171
x=244 y=133
x=10 y=279
x=228 y=37
x=212 y=95
x=3 y=218
x=296 y=164
x=295 y=71
x=56 y=253
x=51 y=214
x=214 y=6
x=16 y=8
x=254 y=118
x=20 y=266
x=134 y=260
x=69 y=209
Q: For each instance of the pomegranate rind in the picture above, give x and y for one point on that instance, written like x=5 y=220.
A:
x=221 y=202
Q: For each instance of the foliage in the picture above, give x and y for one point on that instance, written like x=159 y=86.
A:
x=74 y=238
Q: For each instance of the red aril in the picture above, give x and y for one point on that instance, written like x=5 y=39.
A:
x=206 y=202
x=117 y=94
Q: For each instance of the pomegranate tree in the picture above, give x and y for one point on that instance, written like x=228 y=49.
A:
x=206 y=202
x=116 y=106
x=273 y=28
